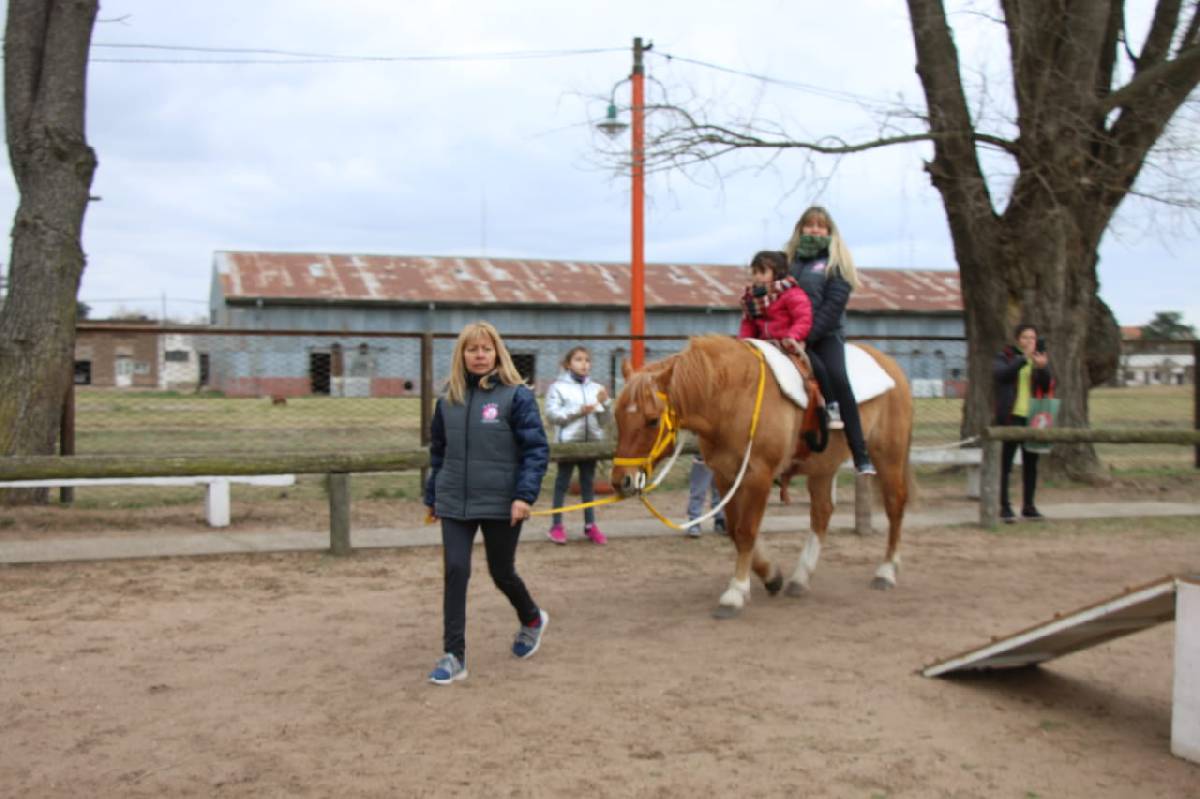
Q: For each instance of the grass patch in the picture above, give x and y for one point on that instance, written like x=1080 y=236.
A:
x=1141 y=526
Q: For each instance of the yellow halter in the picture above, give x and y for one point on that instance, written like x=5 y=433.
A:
x=667 y=429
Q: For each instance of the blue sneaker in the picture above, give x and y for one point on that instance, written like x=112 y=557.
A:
x=530 y=638
x=447 y=670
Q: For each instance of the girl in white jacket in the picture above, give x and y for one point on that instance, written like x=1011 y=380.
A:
x=578 y=407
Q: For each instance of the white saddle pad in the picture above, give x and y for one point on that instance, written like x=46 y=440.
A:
x=786 y=374
x=867 y=378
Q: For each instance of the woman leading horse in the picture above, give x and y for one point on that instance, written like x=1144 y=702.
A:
x=709 y=389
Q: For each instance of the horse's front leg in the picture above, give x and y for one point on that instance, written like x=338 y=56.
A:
x=820 y=496
x=748 y=507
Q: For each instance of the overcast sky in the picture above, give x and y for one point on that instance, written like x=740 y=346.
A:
x=496 y=157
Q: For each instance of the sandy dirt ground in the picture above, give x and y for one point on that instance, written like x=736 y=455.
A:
x=304 y=675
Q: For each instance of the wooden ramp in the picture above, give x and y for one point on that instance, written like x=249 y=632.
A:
x=1172 y=598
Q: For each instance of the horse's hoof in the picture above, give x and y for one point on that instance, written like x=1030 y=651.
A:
x=796 y=589
x=774 y=585
x=880 y=584
x=724 y=612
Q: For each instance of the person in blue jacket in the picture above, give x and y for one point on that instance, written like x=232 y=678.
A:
x=488 y=453
x=822 y=265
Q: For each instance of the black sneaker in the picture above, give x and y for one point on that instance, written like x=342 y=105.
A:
x=1031 y=513
x=1007 y=516
x=719 y=525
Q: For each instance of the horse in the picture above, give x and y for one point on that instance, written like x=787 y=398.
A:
x=709 y=388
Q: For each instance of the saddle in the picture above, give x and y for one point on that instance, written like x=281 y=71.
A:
x=814 y=433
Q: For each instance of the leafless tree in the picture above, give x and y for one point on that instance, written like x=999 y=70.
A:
x=1089 y=108
x=46 y=47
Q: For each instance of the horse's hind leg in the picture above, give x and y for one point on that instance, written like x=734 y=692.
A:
x=894 y=477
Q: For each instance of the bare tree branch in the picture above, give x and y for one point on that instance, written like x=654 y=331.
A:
x=1179 y=72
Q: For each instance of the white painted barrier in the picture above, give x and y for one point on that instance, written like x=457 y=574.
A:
x=1185 y=708
x=971 y=458
x=216 y=497
x=1173 y=598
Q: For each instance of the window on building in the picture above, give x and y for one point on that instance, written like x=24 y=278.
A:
x=204 y=368
x=526 y=363
x=319 y=367
x=177 y=356
x=83 y=373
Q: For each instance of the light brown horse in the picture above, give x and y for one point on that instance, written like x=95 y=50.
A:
x=710 y=388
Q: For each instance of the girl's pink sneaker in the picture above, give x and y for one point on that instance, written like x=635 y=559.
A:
x=557 y=534
x=593 y=532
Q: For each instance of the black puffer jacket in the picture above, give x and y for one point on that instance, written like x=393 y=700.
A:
x=1005 y=368
x=828 y=294
x=486 y=452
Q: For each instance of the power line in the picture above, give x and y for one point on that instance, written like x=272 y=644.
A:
x=263 y=55
x=831 y=94
x=299 y=57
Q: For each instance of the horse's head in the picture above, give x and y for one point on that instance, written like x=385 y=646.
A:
x=646 y=426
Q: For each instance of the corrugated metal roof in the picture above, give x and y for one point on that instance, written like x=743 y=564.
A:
x=327 y=277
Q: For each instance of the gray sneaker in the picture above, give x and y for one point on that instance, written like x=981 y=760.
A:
x=448 y=670
x=835 y=416
x=693 y=531
x=530 y=638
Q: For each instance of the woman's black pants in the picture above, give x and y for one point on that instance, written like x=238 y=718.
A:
x=500 y=543
x=831 y=352
x=1029 y=463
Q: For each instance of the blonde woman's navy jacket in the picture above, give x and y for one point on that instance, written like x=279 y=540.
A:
x=828 y=294
x=486 y=452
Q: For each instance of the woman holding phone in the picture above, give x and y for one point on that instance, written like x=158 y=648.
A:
x=1019 y=372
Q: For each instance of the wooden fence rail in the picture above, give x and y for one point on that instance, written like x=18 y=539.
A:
x=338 y=467
x=994 y=438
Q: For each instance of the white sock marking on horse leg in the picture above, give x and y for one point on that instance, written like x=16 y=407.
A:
x=807 y=565
x=887 y=572
x=737 y=594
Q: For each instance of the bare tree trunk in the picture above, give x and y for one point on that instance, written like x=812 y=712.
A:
x=1036 y=261
x=45 y=73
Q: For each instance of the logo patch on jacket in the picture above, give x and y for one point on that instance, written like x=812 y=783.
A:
x=490 y=413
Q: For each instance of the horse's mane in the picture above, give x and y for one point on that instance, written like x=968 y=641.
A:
x=693 y=372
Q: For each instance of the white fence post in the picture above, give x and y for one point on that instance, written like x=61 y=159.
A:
x=216 y=503
x=1185 y=707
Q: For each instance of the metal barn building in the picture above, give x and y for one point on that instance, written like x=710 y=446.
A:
x=348 y=294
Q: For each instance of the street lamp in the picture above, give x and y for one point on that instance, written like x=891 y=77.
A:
x=613 y=127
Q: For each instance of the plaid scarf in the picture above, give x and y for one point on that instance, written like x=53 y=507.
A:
x=757 y=297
